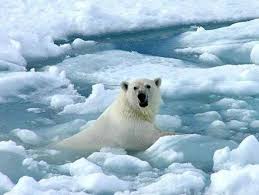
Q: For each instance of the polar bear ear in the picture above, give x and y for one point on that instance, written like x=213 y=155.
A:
x=124 y=85
x=158 y=82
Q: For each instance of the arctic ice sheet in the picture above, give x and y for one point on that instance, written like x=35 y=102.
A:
x=61 y=65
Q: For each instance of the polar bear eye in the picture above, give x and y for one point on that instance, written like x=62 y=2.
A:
x=135 y=88
x=148 y=86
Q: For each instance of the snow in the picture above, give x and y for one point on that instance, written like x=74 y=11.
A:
x=209 y=58
x=10 y=51
x=80 y=46
x=234 y=44
x=27 y=185
x=171 y=183
x=245 y=153
x=61 y=64
x=183 y=148
x=31 y=164
x=11 y=146
x=32 y=85
x=125 y=164
x=29 y=34
x=5 y=183
x=99 y=183
x=236 y=181
x=60 y=101
x=81 y=167
x=229 y=80
x=98 y=100
x=85 y=176
x=27 y=136
x=61 y=182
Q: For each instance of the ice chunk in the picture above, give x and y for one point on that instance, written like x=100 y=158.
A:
x=229 y=44
x=81 y=167
x=35 y=110
x=172 y=183
x=9 y=66
x=36 y=87
x=61 y=182
x=235 y=124
x=10 y=146
x=227 y=80
x=80 y=46
x=105 y=153
x=99 y=183
x=99 y=157
x=210 y=59
x=168 y=122
x=33 y=165
x=237 y=180
x=192 y=148
x=119 y=65
x=10 y=51
x=27 y=136
x=200 y=29
x=5 y=183
x=254 y=124
x=245 y=153
x=36 y=37
x=218 y=129
x=244 y=115
x=60 y=101
x=116 y=160
x=207 y=116
x=27 y=185
x=179 y=168
x=97 y=101
x=230 y=103
x=217 y=125
x=125 y=164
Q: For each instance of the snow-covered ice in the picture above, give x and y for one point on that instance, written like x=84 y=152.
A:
x=245 y=153
x=27 y=136
x=239 y=181
x=61 y=64
x=26 y=26
x=5 y=183
x=11 y=146
x=235 y=44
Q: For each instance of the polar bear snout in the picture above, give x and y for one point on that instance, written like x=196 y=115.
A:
x=143 y=99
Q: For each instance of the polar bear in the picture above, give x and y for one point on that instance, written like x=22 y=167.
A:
x=127 y=123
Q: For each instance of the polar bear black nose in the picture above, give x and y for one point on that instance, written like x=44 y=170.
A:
x=142 y=97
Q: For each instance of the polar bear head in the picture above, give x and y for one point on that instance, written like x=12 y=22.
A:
x=142 y=94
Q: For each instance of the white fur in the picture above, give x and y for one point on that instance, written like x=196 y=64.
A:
x=123 y=124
